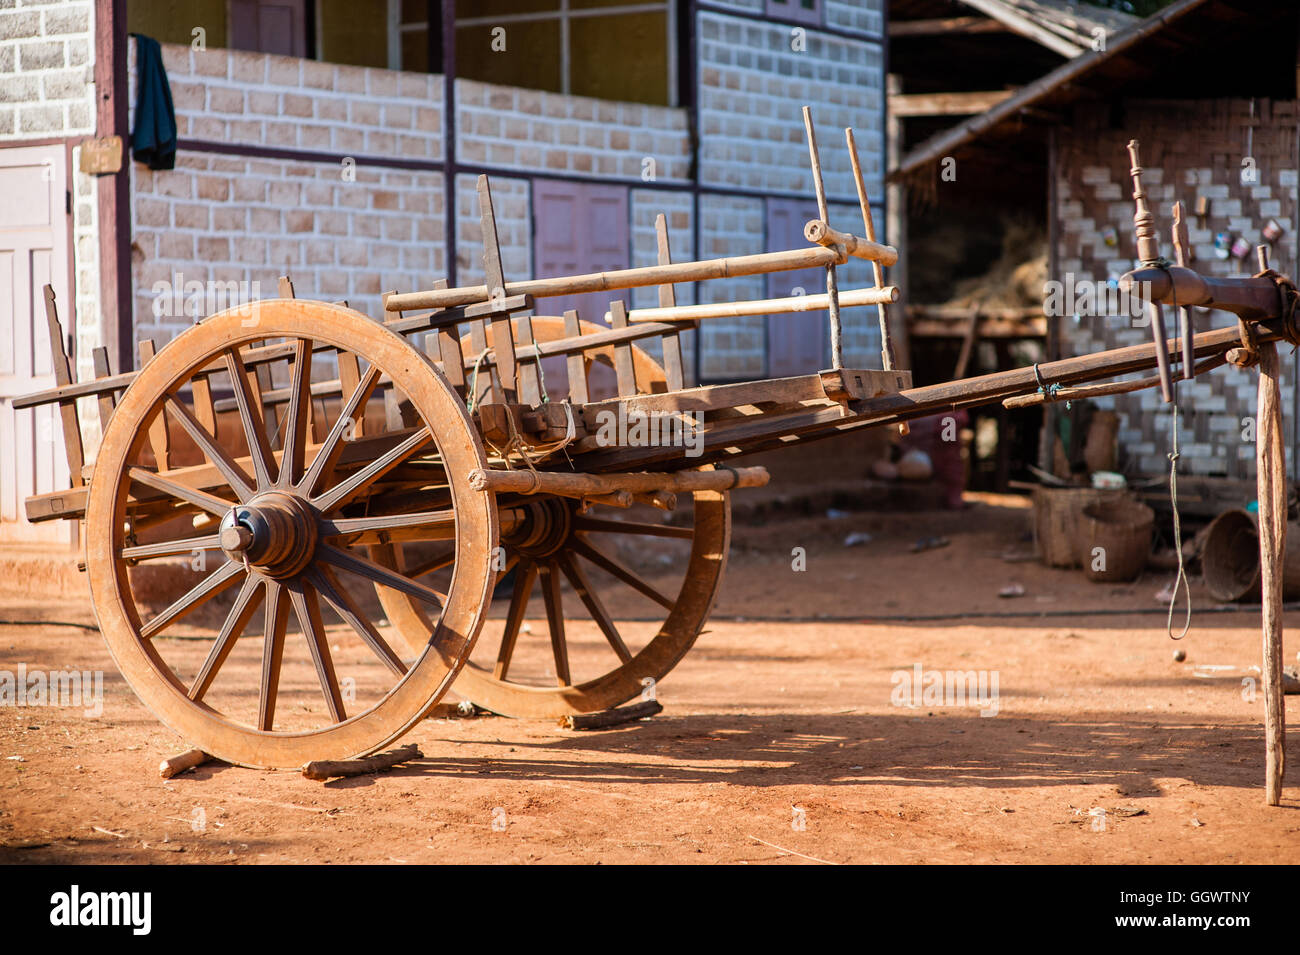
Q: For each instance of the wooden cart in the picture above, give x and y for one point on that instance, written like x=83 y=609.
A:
x=287 y=457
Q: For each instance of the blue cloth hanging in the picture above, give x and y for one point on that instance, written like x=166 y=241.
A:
x=153 y=141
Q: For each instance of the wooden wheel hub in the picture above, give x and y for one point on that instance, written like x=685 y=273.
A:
x=276 y=532
x=546 y=526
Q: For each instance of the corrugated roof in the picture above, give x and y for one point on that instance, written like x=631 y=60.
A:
x=1068 y=27
x=1064 y=78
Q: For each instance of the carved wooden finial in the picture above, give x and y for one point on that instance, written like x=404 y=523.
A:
x=1144 y=223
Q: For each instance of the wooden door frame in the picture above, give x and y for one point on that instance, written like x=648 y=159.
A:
x=113 y=193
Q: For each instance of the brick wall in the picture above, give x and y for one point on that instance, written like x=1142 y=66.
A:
x=752 y=86
x=254 y=99
x=512 y=205
x=219 y=218
x=541 y=132
x=46 y=69
x=342 y=231
x=1189 y=148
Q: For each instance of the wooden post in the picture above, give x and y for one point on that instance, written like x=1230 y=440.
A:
x=1271 y=477
x=832 y=283
x=896 y=223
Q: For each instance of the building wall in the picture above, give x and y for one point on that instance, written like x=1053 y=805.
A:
x=1189 y=148
x=342 y=226
x=753 y=79
x=47 y=70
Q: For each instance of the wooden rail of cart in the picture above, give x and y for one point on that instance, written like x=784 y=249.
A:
x=295 y=456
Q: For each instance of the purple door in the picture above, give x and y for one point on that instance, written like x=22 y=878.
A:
x=579 y=227
x=796 y=343
x=269 y=26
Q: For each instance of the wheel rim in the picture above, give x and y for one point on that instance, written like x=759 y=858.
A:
x=555 y=542
x=288 y=527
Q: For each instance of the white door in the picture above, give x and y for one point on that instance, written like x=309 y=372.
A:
x=33 y=252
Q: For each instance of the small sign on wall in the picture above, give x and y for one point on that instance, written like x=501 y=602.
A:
x=101 y=157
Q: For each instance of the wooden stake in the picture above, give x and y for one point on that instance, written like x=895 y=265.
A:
x=182 y=763
x=832 y=283
x=615 y=717
x=869 y=230
x=330 y=768
x=1271 y=492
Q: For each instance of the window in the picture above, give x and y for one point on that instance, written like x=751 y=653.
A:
x=806 y=11
x=579 y=47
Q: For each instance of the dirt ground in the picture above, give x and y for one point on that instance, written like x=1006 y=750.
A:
x=782 y=739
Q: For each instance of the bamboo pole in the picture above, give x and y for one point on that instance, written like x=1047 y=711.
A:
x=832 y=281
x=817 y=230
x=1271 y=492
x=627 y=278
x=1107 y=388
x=763 y=306
x=589 y=485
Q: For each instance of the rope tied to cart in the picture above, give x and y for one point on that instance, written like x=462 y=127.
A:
x=1046 y=390
x=1181 y=579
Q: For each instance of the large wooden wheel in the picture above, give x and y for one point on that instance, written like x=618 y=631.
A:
x=583 y=661
x=276 y=524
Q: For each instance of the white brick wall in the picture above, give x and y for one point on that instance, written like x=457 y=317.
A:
x=256 y=99
x=647 y=204
x=752 y=85
x=218 y=218
x=1184 y=156
x=855 y=16
x=537 y=131
x=512 y=205
x=731 y=347
x=46 y=69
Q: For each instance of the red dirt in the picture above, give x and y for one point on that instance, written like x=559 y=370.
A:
x=764 y=717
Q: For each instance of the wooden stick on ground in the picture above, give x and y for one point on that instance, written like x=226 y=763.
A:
x=182 y=763
x=1271 y=478
x=615 y=717
x=330 y=768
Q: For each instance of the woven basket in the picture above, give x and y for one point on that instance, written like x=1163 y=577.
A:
x=1230 y=558
x=1058 y=516
x=1122 y=530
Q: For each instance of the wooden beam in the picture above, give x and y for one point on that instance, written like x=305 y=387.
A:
x=1023 y=25
x=941 y=25
x=946 y=104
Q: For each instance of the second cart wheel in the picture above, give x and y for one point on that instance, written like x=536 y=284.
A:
x=283 y=523
x=582 y=660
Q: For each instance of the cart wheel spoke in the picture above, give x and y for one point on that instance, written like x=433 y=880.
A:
x=555 y=623
x=515 y=617
x=610 y=565
x=584 y=522
x=582 y=585
x=346 y=490
x=200 y=499
x=356 y=564
x=306 y=607
x=250 y=595
x=360 y=525
x=202 y=592
x=299 y=413
x=328 y=454
x=275 y=621
x=341 y=603
x=432 y=564
x=186 y=545
x=232 y=472
x=250 y=415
